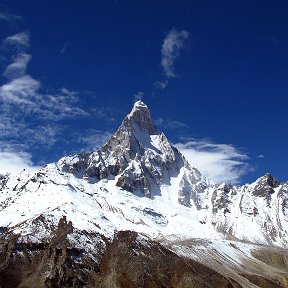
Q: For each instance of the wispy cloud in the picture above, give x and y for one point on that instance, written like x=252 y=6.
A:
x=20 y=91
x=10 y=18
x=20 y=135
x=35 y=120
x=261 y=156
x=24 y=92
x=18 y=67
x=219 y=162
x=172 y=45
x=169 y=124
x=16 y=161
x=107 y=113
x=92 y=139
x=20 y=40
x=29 y=115
x=161 y=84
x=138 y=96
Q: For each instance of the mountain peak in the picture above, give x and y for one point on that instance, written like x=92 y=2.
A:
x=139 y=107
x=140 y=103
x=140 y=118
x=271 y=181
x=138 y=154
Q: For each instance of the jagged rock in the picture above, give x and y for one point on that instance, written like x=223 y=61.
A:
x=265 y=186
x=52 y=263
x=138 y=153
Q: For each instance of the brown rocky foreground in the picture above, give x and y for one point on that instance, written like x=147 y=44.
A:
x=128 y=261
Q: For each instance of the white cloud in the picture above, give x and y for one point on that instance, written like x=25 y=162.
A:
x=18 y=67
x=161 y=84
x=29 y=116
x=218 y=162
x=16 y=161
x=20 y=40
x=20 y=91
x=60 y=105
x=93 y=139
x=23 y=91
x=169 y=124
x=10 y=18
x=172 y=45
x=19 y=135
x=107 y=113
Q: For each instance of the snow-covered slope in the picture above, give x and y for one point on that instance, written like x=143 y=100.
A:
x=138 y=181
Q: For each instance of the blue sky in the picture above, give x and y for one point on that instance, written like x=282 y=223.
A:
x=213 y=73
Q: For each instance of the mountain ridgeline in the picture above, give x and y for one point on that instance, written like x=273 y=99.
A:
x=139 y=155
x=89 y=219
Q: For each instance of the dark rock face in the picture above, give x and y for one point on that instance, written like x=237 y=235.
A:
x=265 y=186
x=221 y=198
x=54 y=263
x=3 y=180
x=127 y=262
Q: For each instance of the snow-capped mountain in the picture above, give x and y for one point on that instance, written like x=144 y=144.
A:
x=138 y=181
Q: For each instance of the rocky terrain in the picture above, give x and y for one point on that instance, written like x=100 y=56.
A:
x=131 y=260
x=135 y=213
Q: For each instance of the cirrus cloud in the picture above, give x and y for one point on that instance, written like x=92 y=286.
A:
x=18 y=67
x=19 y=41
x=24 y=92
x=29 y=116
x=172 y=45
x=218 y=162
x=10 y=18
